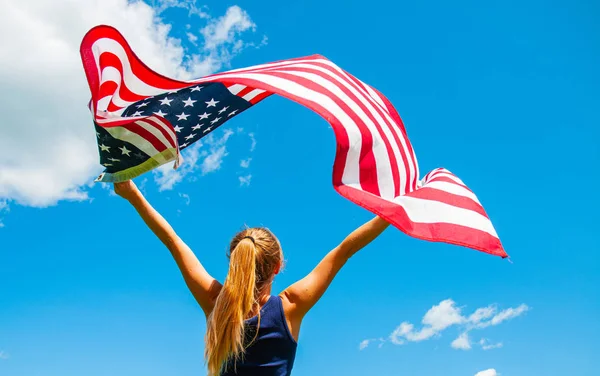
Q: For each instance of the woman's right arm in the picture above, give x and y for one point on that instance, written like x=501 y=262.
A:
x=300 y=297
x=202 y=285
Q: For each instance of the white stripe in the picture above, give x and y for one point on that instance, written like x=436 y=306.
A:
x=133 y=83
x=370 y=104
x=251 y=95
x=133 y=138
x=234 y=89
x=164 y=126
x=446 y=175
x=153 y=129
x=385 y=178
x=428 y=211
x=351 y=170
x=410 y=155
x=453 y=188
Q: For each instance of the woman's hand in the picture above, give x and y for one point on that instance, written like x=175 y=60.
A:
x=127 y=189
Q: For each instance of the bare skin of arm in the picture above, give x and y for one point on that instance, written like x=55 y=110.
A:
x=202 y=285
x=300 y=297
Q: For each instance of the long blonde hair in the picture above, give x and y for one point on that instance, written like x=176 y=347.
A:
x=254 y=256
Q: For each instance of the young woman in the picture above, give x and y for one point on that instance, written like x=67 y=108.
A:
x=250 y=331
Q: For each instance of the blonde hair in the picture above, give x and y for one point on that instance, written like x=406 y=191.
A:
x=254 y=256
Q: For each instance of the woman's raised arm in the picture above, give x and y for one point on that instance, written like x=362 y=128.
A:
x=300 y=297
x=201 y=284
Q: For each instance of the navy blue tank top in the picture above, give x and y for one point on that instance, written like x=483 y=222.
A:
x=273 y=350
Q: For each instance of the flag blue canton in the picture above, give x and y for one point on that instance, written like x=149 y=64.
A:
x=194 y=112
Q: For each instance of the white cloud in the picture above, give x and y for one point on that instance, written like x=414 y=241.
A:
x=3 y=208
x=186 y=198
x=482 y=314
x=50 y=154
x=4 y=355
x=364 y=344
x=207 y=159
x=438 y=318
x=487 y=372
x=485 y=345
x=213 y=160
x=245 y=163
x=192 y=38
x=446 y=314
x=462 y=342
x=245 y=180
x=223 y=30
x=253 y=141
x=507 y=314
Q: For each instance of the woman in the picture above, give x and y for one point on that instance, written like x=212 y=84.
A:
x=250 y=331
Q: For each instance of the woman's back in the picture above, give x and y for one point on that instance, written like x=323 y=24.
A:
x=271 y=352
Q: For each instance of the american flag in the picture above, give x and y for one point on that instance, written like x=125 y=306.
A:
x=144 y=120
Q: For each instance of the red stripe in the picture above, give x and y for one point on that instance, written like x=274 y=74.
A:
x=146 y=135
x=447 y=180
x=434 y=194
x=356 y=118
x=367 y=162
x=245 y=91
x=435 y=232
x=361 y=89
x=398 y=120
x=260 y=97
x=108 y=59
x=168 y=136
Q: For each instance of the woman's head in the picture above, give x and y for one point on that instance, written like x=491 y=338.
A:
x=255 y=257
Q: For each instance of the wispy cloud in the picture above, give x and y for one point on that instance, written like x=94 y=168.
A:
x=3 y=208
x=462 y=342
x=252 y=141
x=206 y=156
x=446 y=314
x=42 y=164
x=223 y=30
x=365 y=343
x=488 y=372
x=245 y=180
x=4 y=355
x=185 y=197
x=485 y=345
x=245 y=163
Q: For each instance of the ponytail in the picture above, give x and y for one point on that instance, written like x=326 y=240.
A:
x=225 y=326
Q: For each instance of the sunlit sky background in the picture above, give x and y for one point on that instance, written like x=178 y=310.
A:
x=504 y=94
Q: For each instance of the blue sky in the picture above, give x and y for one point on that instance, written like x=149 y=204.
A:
x=504 y=94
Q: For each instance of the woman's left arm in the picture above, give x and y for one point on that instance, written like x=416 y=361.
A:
x=201 y=284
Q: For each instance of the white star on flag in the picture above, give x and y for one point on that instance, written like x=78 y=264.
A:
x=214 y=121
x=160 y=113
x=182 y=116
x=189 y=102
x=212 y=103
x=177 y=128
x=124 y=151
x=166 y=101
x=223 y=109
x=197 y=88
x=105 y=148
x=192 y=135
x=204 y=116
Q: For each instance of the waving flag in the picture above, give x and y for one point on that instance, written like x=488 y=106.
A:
x=144 y=120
